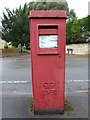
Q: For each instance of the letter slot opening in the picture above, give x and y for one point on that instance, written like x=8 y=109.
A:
x=48 y=26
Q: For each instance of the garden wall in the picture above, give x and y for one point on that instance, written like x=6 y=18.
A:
x=78 y=49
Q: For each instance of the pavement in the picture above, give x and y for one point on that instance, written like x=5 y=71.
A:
x=18 y=106
x=17 y=88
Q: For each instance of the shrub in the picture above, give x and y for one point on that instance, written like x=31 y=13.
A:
x=6 y=46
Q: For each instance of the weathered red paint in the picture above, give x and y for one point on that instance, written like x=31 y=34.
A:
x=48 y=64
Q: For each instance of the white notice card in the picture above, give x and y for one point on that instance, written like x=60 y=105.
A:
x=48 y=41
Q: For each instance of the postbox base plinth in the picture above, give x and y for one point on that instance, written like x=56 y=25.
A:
x=46 y=112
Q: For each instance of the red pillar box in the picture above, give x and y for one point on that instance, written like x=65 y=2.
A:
x=48 y=37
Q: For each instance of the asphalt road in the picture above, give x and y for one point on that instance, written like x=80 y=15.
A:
x=16 y=74
x=17 y=87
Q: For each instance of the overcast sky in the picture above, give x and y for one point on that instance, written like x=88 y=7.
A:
x=80 y=6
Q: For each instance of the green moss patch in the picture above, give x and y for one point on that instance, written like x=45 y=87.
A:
x=67 y=105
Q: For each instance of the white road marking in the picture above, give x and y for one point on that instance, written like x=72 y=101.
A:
x=8 y=82
x=24 y=81
x=13 y=82
x=77 y=81
x=77 y=91
x=27 y=93
x=30 y=93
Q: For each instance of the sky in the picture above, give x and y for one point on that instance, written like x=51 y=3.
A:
x=80 y=6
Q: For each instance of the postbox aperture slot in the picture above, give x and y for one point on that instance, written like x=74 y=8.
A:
x=48 y=41
x=48 y=29
x=48 y=26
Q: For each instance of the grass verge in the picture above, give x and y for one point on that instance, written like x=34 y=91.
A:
x=12 y=52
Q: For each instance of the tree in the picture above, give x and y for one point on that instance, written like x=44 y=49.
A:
x=85 y=24
x=78 y=30
x=15 y=24
x=71 y=15
x=68 y=31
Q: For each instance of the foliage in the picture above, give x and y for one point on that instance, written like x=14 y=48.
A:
x=68 y=31
x=72 y=14
x=85 y=24
x=6 y=46
x=15 y=24
x=78 y=30
x=51 y=6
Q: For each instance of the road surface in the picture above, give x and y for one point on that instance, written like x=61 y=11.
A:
x=17 y=86
x=16 y=74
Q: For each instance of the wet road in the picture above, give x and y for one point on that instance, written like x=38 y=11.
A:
x=16 y=74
